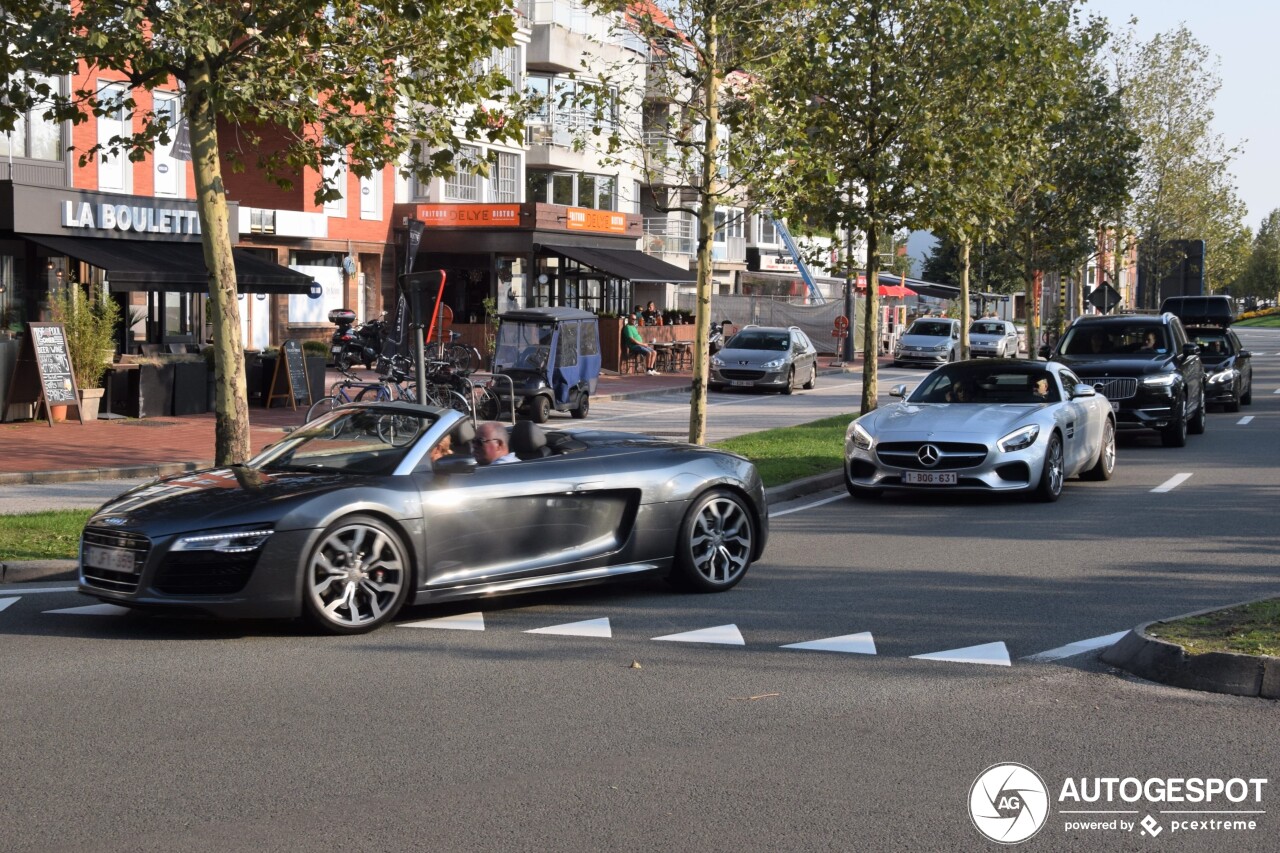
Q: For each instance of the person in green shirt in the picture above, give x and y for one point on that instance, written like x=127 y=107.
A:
x=635 y=344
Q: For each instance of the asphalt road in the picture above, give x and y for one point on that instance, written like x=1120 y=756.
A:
x=143 y=733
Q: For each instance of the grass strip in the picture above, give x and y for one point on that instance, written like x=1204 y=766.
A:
x=1271 y=321
x=1252 y=629
x=50 y=535
x=789 y=453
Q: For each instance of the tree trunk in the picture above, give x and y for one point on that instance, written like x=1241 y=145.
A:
x=230 y=395
x=871 y=319
x=706 y=231
x=964 y=297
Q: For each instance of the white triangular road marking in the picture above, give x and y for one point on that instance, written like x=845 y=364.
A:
x=727 y=635
x=5 y=602
x=586 y=628
x=995 y=654
x=858 y=644
x=94 y=610
x=461 y=622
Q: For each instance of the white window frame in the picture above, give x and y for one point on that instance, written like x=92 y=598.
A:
x=465 y=185
x=118 y=124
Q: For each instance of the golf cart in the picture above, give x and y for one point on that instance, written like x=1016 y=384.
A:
x=552 y=356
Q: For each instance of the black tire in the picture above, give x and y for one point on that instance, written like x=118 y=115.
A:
x=347 y=590
x=459 y=355
x=1246 y=398
x=540 y=409
x=1106 y=464
x=1175 y=434
x=813 y=378
x=583 y=407
x=488 y=405
x=791 y=382
x=716 y=544
x=1049 y=489
x=1196 y=425
x=322 y=407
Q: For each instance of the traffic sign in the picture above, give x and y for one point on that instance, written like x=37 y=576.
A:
x=1104 y=297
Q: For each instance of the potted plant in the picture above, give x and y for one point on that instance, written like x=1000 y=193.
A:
x=89 y=321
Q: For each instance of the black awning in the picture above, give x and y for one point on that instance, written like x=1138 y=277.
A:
x=629 y=264
x=134 y=265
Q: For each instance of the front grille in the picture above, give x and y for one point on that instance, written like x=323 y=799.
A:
x=739 y=375
x=205 y=572
x=954 y=455
x=105 y=537
x=1121 y=388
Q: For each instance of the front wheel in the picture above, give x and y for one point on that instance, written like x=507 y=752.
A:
x=813 y=378
x=584 y=406
x=1175 y=434
x=1050 y=486
x=716 y=544
x=1106 y=464
x=356 y=577
x=1196 y=425
x=791 y=381
x=540 y=409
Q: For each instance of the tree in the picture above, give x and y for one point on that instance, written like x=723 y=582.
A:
x=364 y=80
x=1261 y=276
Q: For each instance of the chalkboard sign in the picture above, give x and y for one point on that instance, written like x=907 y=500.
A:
x=42 y=373
x=290 y=378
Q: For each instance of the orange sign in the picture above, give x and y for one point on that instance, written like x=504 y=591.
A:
x=469 y=215
x=586 y=219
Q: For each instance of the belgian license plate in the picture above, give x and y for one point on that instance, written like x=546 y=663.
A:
x=335 y=349
x=929 y=478
x=741 y=383
x=112 y=559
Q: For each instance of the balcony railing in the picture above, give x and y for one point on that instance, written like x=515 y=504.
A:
x=665 y=235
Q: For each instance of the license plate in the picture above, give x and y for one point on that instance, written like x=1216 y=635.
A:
x=742 y=383
x=112 y=559
x=929 y=478
x=335 y=349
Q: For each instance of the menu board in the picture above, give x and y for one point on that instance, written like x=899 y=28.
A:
x=42 y=373
x=290 y=377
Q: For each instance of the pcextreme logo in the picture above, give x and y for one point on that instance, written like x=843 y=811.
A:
x=1008 y=803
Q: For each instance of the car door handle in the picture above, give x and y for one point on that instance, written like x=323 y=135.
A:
x=582 y=487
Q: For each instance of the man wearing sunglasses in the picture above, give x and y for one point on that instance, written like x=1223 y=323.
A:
x=490 y=445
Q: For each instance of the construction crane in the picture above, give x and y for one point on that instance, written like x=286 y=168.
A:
x=780 y=227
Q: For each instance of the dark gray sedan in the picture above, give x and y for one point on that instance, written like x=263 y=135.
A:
x=773 y=358
x=350 y=517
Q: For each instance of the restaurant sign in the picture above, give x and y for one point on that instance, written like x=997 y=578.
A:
x=586 y=219
x=469 y=215
x=143 y=219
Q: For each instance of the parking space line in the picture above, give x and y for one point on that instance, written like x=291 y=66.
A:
x=23 y=591
x=1079 y=647
x=1244 y=420
x=1172 y=483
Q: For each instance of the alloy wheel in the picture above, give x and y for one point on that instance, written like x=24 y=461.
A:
x=356 y=577
x=720 y=541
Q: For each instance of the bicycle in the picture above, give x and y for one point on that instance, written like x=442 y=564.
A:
x=382 y=390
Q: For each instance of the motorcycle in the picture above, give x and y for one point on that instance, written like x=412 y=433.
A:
x=351 y=345
x=715 y=341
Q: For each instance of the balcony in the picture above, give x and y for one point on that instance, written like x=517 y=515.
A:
x=669 y=235
x=35 y=173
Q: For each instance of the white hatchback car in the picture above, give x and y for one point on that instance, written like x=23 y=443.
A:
x=994 y=338
x=930 y=341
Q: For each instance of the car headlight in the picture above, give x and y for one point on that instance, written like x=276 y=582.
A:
x=240 y=541
x=939 y=348
x=1224 y=376
x=775 y=364
x=1160 y=380
x=716 y=361
x=859 y=436
x=1019 y=439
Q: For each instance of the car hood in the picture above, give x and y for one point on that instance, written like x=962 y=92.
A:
x=749 y=356
x=218 y=497
x=1220 y=363
x=918 y=421
x=1133 y=365
x=924 y=340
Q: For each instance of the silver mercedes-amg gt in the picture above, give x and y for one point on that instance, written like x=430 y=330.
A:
x=350 y=517
x=984 y=426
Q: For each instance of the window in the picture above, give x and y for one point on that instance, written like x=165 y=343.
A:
x=34 y=136
x=728 y=224
x=115 y=171
x=767 y=234
x=574 y=189
x=503 y=186
x=465 y=185
x=371 y=196
x=335 y=174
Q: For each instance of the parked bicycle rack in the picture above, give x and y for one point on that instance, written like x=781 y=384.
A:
x=511 y=396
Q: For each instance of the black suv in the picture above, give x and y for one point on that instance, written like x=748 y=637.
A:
x=1146 y=366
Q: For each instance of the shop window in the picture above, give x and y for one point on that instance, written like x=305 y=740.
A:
x=34 y=136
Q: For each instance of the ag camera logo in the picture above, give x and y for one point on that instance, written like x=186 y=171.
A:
x=1008 y=803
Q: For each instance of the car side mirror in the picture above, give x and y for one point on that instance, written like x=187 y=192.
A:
x=1244 y=353
x=1083 y=390
x=898 y=391
x=455 y=465
x=1190 y=349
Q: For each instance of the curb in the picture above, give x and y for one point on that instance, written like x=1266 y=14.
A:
x=1213 y=672
x=37 y=571
x=125 y=472
x=803 y=486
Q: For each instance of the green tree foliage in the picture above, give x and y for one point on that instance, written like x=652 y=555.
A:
x=1260 y=279
x=993 y=269
x=365 y=81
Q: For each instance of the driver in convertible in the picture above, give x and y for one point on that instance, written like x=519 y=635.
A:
x=490 y=445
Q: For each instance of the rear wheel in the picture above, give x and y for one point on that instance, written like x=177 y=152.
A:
x=584 y=406
x=1106 y=463
x=540 y=409
x=1050 y=486
x=717 y=540
x=1196 y=425
x=356 y=578
x=1175 y=434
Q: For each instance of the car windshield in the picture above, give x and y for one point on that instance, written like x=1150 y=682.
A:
x=1213 y=343
x=987 y=329
x=354 y=440
x=1138 y=338
x=930 y=328
x=993 y=385
x=525 y=346
x=760 y=339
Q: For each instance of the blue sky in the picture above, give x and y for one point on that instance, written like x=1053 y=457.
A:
x=1241 y=33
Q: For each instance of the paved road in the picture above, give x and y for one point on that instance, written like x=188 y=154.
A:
x=135 y=733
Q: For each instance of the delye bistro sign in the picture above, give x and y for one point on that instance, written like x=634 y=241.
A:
x=105 y=216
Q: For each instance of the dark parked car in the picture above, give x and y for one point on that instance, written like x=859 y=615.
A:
x=349 y=518
x=1146 y=366
x=773 y=358
x=1228 y=366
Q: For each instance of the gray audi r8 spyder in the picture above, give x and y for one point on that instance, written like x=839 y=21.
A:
x=984 y=426
x=355 y=514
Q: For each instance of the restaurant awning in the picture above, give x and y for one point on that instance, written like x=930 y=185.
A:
x=134 y=265
x=629 y=264
x=924 y=288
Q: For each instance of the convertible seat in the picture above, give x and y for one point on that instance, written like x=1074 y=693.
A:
x=528 y=441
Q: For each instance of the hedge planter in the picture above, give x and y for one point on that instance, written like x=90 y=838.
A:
x=190 y=387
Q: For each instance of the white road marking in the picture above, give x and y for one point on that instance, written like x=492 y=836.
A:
x=1244 y=420
x=995 y=654
x=1172 y=483
x=858 y=644
x=806 y=506
x=1079 y=647
x=461 y=622
x=586 y=628
x=94 y=610
x=1277 y=391
x=5 y=602
x=26 y=591
x=727 y=635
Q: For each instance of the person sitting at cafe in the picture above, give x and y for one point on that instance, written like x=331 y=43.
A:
x=635 y=344
x=650 y=314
